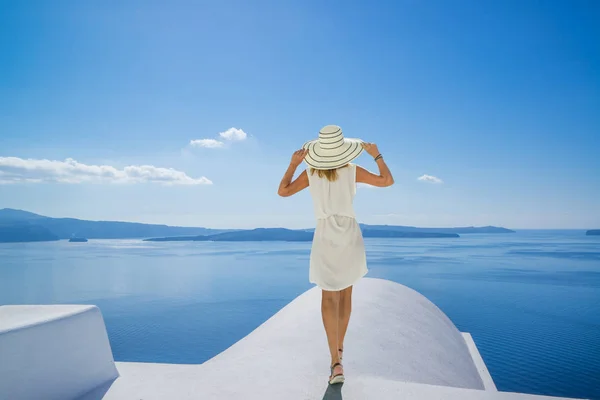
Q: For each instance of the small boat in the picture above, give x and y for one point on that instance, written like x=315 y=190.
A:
x=78 y=240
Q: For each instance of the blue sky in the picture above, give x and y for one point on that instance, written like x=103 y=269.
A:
x=500 y=100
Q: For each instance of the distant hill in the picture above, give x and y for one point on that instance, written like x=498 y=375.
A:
x=253 y=235
x=9 y=215
x=26 y=226
x=459 y=230
x=25 y=233
x=289 y=235
x=593 y=232
x=383 y=233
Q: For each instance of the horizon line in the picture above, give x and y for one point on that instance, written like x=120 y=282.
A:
x=282 y=227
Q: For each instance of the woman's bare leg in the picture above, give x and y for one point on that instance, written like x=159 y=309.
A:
x=345 y=308
x=330 y=311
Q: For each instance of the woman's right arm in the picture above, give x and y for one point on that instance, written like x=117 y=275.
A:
x=384 y=179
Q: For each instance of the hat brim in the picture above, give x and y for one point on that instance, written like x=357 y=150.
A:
x=318 y=158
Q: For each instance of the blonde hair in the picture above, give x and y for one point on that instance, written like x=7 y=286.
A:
x=330 y=174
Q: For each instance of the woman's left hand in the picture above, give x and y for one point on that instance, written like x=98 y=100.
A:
x=298 y=157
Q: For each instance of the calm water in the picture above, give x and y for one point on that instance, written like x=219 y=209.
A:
x=531 y=300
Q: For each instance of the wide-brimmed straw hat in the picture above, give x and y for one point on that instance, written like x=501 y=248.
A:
x=331 y=150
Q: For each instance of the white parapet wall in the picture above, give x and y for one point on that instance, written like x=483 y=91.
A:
x=53 y=352
x=486 y=378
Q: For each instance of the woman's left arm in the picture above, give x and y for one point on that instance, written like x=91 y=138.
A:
x=287 y=187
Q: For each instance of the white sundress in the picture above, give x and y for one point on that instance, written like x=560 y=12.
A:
x=337 y=258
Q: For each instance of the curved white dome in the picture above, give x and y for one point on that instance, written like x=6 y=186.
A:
x=395 y=333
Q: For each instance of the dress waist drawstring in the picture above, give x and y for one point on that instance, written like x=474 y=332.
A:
x=324 y=217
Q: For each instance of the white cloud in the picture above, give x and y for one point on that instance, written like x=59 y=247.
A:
x=430 y=179
x=18 y=170
x=233 y=134
x=208 y=143
x=230 y=135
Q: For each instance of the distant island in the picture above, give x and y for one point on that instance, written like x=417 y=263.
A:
x=593 y=232
x=290 y=235
x=459 y=230
x=22 y=232
x=24 y=226
x=78 y=240
x=257 y=235
x=391 y=233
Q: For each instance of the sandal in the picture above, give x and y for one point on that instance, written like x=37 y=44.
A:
x=339 y=378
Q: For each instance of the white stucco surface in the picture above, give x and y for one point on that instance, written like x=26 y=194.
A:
x=53 y=352
x=394 y=333
x=486 y=378
x=399 y=346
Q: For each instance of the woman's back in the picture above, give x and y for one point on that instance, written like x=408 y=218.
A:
x=337 y=256
x=333 y=198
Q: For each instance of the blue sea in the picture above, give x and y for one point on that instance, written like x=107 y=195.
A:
x=530 y=299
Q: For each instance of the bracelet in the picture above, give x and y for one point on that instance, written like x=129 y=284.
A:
x=378 y=157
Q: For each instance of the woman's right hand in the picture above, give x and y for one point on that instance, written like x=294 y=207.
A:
x=371 y=148
x=298 y=157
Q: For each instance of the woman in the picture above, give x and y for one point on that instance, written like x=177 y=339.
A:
x=337 y=258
